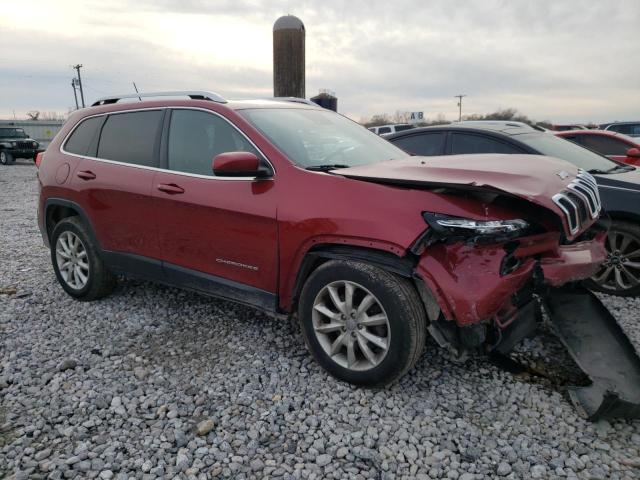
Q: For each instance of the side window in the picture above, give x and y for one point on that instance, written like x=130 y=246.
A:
x=83 y=137
x=130 y=137
x=423 y=144
x=196 y=137
x=382 y=130
x=626 y=129
x=605 y=145
x=466 y=143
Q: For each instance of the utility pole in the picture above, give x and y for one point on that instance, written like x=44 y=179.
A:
x=459 y=97
x=77 y=67
x=75 y=95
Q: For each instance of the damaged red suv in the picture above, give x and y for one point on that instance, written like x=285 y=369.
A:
x=296 y=210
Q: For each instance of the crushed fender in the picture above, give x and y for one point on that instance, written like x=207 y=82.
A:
x=601 y=349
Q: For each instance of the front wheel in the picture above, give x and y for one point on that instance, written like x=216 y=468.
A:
x=362 y=324
x=6 y=158
x=620 y=273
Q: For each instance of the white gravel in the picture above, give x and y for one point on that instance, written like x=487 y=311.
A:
x=153 y=382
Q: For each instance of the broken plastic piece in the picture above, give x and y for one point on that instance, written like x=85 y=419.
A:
x=601 y=349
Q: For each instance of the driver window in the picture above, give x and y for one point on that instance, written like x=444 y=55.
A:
x=196 y=137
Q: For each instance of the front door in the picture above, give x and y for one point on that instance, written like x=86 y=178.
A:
x=216 y=234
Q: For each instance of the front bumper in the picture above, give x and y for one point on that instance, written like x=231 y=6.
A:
x=22 y=152
x=474 y=283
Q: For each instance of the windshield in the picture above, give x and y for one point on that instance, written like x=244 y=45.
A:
x=552 y=146
x=12 y=133
x=316 y=138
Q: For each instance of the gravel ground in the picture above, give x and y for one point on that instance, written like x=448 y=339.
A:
x=155 y=382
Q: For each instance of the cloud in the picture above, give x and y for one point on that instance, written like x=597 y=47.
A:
x=562 y=61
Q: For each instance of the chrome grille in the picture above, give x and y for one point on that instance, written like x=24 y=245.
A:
x=580 y=202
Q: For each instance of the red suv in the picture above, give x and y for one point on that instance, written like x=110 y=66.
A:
x=296 y=210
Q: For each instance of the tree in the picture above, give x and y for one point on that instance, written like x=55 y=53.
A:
x=33 y=114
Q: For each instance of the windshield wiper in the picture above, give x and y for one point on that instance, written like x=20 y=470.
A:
x=326 y=168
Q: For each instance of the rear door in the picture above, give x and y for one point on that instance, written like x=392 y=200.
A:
x=114 y=183
x=217 y=234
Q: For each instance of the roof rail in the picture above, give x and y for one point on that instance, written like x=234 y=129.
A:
x=194 y=95
x=295 y=100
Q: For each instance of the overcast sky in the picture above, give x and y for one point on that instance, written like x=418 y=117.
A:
x=557 y=60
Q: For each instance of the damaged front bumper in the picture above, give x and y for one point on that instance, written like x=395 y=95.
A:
x=491 y=296
x=474 y=283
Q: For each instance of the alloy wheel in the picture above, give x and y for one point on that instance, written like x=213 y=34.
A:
x=351 y=325
x=3 y=158
x=621 y=269
x=72 y=260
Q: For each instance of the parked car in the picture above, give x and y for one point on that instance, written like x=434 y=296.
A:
x=392 y=128
x=368 y=247
x=619 y=184
x=569 y=126
x=615 y=146
x=631 y=129
x=15 y=143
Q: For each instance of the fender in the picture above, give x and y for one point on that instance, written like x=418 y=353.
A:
x=52 y=202
x=384 y=255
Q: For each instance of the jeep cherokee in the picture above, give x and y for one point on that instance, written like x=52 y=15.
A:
x=298 y=211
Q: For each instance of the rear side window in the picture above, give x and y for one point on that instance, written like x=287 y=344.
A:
x=400 y=128
x=465 y=143
x=382 y=130
x=82 y=140
x=424 y=144
x=605 y=145
x=196 y=137
x=130 y=137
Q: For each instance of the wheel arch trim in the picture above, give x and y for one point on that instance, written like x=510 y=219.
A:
x=60 y=202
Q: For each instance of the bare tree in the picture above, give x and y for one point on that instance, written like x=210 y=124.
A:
x=33 y=114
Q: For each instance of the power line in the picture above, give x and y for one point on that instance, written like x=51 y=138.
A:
x=459 y=97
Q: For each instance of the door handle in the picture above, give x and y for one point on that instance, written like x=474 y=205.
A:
x=86 y=175
x=170 y=188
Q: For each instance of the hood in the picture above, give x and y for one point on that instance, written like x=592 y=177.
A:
x=534 y=178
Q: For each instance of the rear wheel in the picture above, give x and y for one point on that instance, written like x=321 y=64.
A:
x=362 y=324
x=78 y=267
x=620 y=273
x=6 y=158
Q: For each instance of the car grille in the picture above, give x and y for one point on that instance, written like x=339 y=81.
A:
x=580 y=202
x=24 y=145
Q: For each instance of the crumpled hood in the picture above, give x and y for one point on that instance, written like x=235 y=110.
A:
x=535 y=178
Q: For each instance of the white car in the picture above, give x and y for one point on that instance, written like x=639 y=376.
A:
x=392 y=128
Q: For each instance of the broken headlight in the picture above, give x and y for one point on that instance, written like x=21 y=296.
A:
x=456 y=228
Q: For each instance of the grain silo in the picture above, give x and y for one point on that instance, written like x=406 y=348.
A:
x=288 y=57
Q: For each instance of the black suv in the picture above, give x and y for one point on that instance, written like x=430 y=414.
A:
x=619 y=184
x=15 y=143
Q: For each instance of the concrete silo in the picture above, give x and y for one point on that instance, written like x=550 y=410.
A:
x=288 y=57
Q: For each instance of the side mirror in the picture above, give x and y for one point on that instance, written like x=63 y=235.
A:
x=238 y=164
x=633 y=152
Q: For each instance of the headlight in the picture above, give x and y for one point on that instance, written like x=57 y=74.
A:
x=35 y=144
x=456 y=228
x=13 y=144
x=484 y=227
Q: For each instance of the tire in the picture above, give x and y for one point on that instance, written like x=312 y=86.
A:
x=6 y=158
x=86 y=278
x=402 y=331
x=620 y=274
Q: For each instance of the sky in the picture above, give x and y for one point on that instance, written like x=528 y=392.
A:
x=556 y=60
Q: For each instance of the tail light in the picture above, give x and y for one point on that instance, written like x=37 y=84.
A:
x=39 y=158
